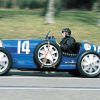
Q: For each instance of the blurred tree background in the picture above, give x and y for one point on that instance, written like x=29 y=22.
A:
x=63 y=4
x=22 y=18
x=51 y=7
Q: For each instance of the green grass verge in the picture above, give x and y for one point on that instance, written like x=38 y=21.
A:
x=27 y=24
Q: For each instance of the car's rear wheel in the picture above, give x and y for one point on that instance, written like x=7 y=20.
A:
x=5 y=61
x=89 y=64
x=47 y=55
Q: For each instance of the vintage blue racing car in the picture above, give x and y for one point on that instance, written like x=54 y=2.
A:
x=46 y=55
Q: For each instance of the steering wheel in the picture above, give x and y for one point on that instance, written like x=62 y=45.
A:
x=46 y=37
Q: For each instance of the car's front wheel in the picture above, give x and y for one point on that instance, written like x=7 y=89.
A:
x=89 y=64
x=5 y=61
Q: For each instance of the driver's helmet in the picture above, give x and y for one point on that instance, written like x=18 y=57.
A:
x=66 y=30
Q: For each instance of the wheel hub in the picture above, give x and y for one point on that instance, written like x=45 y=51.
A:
x=91 y=64
x=48 y=55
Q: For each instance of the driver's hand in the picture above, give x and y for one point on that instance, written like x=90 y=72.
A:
x=58 y=43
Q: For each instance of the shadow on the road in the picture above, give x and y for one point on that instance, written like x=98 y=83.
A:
x=37 y=73
x=41 y=74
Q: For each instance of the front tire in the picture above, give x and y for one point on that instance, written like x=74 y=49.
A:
x=5 y=62
x=89 y=64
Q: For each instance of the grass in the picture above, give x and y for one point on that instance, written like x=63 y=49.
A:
x=25 y=24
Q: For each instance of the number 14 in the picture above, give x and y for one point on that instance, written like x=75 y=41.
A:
x=23 y=47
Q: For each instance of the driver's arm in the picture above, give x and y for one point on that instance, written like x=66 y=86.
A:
x=58 y=43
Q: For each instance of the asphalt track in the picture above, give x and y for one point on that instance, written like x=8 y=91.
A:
x=19 y=85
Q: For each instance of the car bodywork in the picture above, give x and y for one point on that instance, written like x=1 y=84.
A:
x=22 y=53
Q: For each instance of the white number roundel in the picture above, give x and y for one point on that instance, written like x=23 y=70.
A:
x=87 y=46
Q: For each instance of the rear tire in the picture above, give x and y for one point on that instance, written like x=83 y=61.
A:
x=5 y=61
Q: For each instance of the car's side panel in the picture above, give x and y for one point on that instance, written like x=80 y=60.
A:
x=68 y=63
x=21 y=59
x=89 y=47
x=22 y=52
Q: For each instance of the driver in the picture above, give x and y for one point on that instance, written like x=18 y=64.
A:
x=67 y=43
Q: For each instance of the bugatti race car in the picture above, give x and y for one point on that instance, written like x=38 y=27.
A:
x=46 y=55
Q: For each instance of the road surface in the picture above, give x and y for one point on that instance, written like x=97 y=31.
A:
x=52 y=86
